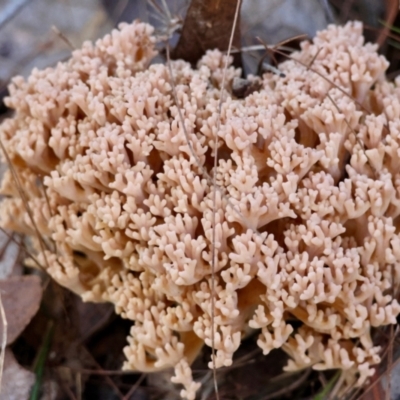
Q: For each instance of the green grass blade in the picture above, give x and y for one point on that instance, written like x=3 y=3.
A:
x=41 y=361
x=391 y=27
x=322 y=395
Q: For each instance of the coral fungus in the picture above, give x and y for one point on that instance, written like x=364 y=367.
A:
x=308 y=198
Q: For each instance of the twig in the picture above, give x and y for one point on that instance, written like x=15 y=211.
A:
x=66 y=388
x=338 y=385
x=22 y=244
x=323 y=77
x=42 y=243
x=78 y=383
x=62 y=37
x=258 y=47
x=106 y=377
x=8 y=241
x=134 y=387
x=100 y=371
x=3 y=340
x=214 y=251
x=289 y=388
x=96 y=326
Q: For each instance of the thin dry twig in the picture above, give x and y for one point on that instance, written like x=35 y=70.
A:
x=371 y=386
x=65 y=387
x=214 y=251
x=96 y=326
x=314 y=58
x=48 y=205
x=23 y=246
x=78 y=383
x=63 y=37
x=100 y=371
x=4 y=339
x=42 y=242
x=8 y=241
x=204 y=172
x=289 y=388
x=336 y=388
x=106 y=376
x=134 y=387
x=390 y=363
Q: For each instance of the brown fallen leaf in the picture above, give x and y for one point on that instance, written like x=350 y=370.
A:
x=17 y=381
x=21 y=296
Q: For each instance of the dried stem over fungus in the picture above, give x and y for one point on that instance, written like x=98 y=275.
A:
x=313 y=174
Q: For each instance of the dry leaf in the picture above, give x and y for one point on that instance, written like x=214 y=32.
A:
x=21 y=296
x=16 y=381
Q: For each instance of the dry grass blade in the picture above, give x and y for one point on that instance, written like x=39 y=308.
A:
x=4 y=339
x=78 y=384
x=346 y=122
x=392 y=9
x=101 y=372
x=67 y=390
x=106 y=376
x=22 y=244
x=338 y=385
x=374 y=386
x=42 y=243
x=134 y=387
x=269 y=50
x=289 y=388
x=388 y=33
x=63 y=37
x=48 y=205
x=189 y=143
x=314 y=58
x=286 y=41
x=318 y=73
x=361 y=106
x=214 y=251
x=156 y=7
x=390 y=364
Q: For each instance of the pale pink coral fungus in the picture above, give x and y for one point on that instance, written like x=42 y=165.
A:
x=308 y=198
